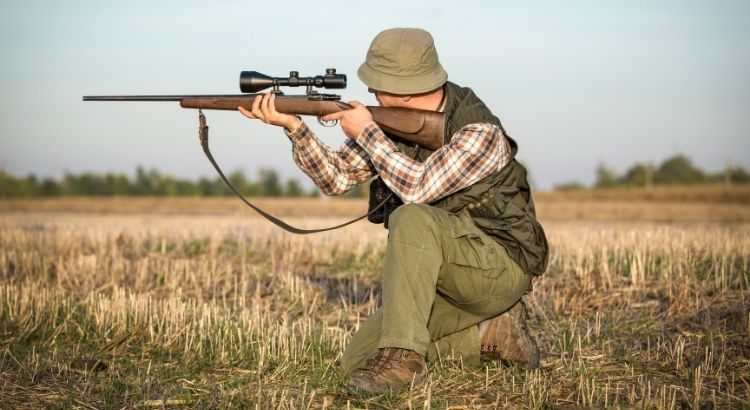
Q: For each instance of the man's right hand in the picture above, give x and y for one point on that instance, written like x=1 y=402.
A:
x=352 y=121
x=264 y=109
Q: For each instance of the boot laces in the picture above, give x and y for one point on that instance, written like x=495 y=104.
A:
x=384 y=360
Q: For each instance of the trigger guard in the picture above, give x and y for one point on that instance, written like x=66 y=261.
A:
x=327 y=123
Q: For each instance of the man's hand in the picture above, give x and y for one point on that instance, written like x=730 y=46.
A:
x=264 y=109
x=352 y=121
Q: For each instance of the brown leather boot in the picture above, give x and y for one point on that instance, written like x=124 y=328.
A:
x=506 y=338
x=393 y=370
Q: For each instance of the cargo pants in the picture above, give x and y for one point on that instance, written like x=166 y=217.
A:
x=442 y=276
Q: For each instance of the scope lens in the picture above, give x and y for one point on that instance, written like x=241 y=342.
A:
x=253 y=81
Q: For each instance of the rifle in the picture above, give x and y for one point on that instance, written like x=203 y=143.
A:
x=423 y=128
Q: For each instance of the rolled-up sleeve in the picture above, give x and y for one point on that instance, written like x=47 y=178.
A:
x=333 y=171
x=474 y=152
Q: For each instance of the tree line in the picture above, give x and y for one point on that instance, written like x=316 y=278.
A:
x=148 y=183
x=676 y=170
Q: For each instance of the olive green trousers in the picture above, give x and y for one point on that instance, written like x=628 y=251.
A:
x=442 y=276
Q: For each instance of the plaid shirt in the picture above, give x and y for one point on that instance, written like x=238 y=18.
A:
x=475 y=152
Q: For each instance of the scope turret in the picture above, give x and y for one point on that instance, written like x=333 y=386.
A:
x=253 y=81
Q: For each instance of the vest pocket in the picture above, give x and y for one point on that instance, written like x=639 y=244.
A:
x=522 y=236
x=491 y=204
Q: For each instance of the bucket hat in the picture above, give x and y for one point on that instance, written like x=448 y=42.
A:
x=402 y=61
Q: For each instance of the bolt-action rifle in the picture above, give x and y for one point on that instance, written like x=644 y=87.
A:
x=423 y=128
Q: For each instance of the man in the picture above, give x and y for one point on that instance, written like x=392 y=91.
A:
x=464 y=246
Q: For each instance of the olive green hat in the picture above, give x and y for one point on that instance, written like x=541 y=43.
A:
x=402 y=61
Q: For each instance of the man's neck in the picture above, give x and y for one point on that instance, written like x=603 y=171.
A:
x=431 y=101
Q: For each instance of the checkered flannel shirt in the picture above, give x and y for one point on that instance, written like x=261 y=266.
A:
x=475 y=152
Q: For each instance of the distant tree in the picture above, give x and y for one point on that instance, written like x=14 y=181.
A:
x=731 y=174
x=91 y=184
x=142 y=184
x=678 y=170
x=30 y=186
x=167 y=185
x=241 y=183
x=208 y=187
x=11 y=186
x=293 y=189
x=71 y=185
x=605 y=177
x=270 y=183
x=739 y=175
x=5 y=184
x=118 y=184
x=49 y=187
x=187 y=188
x=570 y=186
x=637 y=175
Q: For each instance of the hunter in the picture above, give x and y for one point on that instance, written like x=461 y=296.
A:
x=463 y=242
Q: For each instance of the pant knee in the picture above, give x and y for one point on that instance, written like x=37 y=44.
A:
x=408 y=217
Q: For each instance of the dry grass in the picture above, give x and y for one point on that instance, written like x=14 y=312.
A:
x=716 y=203
x=654 y=211
x=155 y=310
x=310 y=207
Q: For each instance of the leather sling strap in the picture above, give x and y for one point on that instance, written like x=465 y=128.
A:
x=203 y=135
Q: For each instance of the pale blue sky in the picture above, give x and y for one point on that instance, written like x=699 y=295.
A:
x=576 y=83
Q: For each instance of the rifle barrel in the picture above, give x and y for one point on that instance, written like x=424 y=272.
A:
x=158 y=97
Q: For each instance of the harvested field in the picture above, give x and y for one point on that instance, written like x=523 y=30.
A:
x=130 y=308
x=663 y=204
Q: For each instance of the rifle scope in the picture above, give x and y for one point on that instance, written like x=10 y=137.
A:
x=253 y=81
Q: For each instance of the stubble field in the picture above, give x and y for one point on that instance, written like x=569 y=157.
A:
x=156 y=308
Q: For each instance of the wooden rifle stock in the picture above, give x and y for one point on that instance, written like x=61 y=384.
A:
x=422 y=127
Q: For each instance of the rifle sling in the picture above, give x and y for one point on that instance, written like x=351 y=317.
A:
x=203 y=135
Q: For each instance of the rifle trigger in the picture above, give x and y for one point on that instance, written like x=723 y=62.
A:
x=327 y=123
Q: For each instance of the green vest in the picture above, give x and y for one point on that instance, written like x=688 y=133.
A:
x=500 y=204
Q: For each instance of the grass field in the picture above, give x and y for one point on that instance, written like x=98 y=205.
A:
x=136 y=304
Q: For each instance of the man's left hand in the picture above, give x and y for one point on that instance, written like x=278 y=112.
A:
x=352 y=121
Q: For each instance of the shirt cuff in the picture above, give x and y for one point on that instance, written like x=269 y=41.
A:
x=298 y=134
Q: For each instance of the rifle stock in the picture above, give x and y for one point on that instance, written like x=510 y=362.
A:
x=422 y=127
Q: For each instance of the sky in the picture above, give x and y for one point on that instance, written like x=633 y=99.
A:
x=576 y=83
